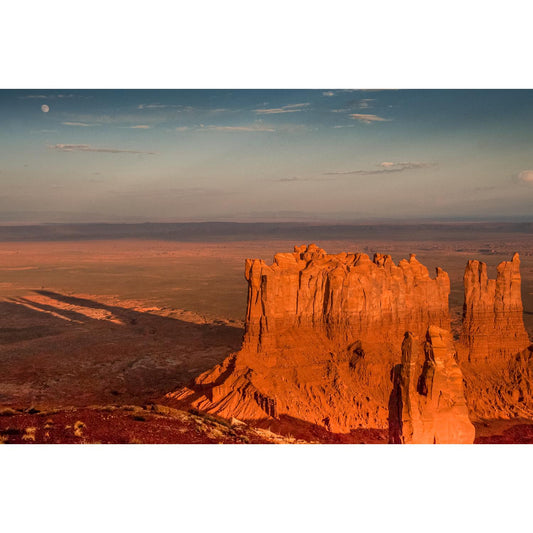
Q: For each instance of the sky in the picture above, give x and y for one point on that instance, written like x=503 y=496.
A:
x=258 y=155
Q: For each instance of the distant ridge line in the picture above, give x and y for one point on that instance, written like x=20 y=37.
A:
x=232 y=231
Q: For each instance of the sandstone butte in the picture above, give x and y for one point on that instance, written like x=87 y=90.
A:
x=427 y=404
x=323 y=332
x=493 y=326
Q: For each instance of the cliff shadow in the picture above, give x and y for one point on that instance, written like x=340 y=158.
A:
x=395 y=406
x=62 y=350
x=300 y=429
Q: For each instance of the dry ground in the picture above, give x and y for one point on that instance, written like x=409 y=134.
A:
x=125 y=321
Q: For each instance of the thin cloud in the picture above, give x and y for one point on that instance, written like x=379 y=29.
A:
x=89 y=148
x=140 y=127
x=239 y=128
x=365 y=103
x=183 y=108
x=82 y=124
x=162 y=106
x=119 y=119
x=292 y=179
x=367 y=118
x=153 y=106
x=336 y=92
x=45 y=96
x=353 y=105
x=291 y=108
x=386 y=167
x=525 y=177
x=182 y=128
x=33 y=96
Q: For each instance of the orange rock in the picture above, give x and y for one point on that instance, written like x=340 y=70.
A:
x=427 y=404
x=322 y=333
x=493 y=327
x=342 y=298
x=519 y=383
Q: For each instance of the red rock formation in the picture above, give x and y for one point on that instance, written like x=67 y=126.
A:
x=520 y=379
x=428 y=405
x=343 y=297
x=493 y=326
x=501 y=389
x=322 y=332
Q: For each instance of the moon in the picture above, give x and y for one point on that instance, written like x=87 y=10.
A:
x=45 y=108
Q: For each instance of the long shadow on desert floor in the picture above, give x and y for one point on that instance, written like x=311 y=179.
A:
x=58 y=350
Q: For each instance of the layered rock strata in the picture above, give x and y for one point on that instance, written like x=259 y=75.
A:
x=493 y=327
x=322 y=332
x=427 y=404
x=342 y=298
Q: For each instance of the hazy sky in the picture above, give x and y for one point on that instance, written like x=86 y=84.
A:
x=128 y=155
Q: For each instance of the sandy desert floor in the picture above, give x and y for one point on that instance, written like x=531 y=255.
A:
x=120 y=322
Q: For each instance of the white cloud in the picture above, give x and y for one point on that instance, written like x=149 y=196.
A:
x=367 y=118
x=162 y=106
x=328 y=93
x=526 y=176
x=140 y=127
x=290 y=179
x=238 y=128
x=89 y=148
x=32 y=96
x=386 y=167
x=152 y=106
x=52 y=96
x=82 y=124
x=365 y=103
x=291 y=108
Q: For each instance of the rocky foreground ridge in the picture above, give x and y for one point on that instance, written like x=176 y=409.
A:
x=325 y=335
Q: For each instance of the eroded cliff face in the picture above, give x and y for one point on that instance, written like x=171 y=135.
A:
x=493 y=344
x=322 y=333
x=493 y=327
x=342 y=298
x=501 y=389
x=427 y=404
